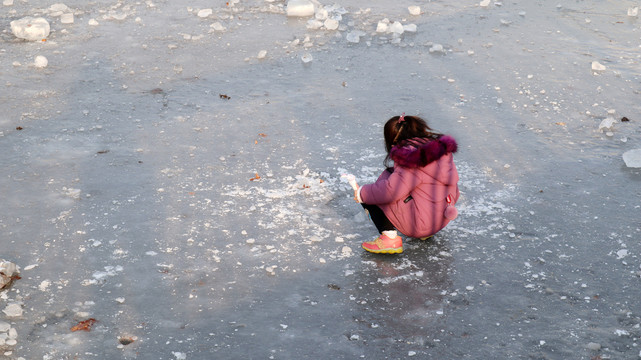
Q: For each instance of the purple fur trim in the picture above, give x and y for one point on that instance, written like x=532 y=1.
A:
x=418 y=153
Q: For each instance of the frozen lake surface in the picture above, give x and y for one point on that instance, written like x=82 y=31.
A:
x=174 y=174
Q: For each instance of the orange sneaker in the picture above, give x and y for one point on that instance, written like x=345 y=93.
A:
x=384 y=245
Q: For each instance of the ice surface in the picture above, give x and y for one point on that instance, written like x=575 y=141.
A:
x=162 y=180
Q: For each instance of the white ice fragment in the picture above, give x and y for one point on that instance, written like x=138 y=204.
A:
x=620 y=332
x=322 y=260
x=7 y=2
x=120 y=300
x=622 y=253
x=300 y=8
x=469 y=288
x=44 y=285
x=346 y=251
x=484 y=3
x=217 y=26
x=31 y=29
x=314 y=24
x=607 y=123
x=250 y=241
x=40 y=62
x=411 y=353
x=13 y=310
x=179 y=355
x=66 y=18
x=632 y=158
x=396 y=28
x=633 y=12
x=351 y=179
x=4 y=326
x=597 y=66
x=93 y=22
x=321 y=14
x=59 y=7
x=409 y=28
x=284 y=326
x=436 y=48
x=306 y=58
x=262 y=54
x=151 y=253
x=414 y=10
x=522 y=13
x=205 y=13
x=331 y=24
x=382 y=27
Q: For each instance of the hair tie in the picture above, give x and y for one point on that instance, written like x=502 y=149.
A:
x=401 y=118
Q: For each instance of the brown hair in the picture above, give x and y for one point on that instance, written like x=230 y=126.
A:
x=396 y=133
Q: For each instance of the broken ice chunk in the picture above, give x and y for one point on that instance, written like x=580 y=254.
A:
x=414 y=10
x=300 y=8
x=597 y=66
x=306 y=58
x=607 y=123
x=632 y=158
x=484 y=3
x=633 y=12
x=31 y=29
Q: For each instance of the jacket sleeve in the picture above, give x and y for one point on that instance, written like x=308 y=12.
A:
x=390 y=187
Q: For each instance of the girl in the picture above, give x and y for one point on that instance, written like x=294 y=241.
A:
x=417 y=195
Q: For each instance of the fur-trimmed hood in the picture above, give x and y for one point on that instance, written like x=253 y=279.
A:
x=419 y=152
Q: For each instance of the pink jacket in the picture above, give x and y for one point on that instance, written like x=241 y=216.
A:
x=414 y=197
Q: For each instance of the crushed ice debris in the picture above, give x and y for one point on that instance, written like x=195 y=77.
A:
x=8 y=272
x=632 y=158
x=93 y=22
x=633 y=12
x=262 y=54
x=484 y=3
x=283 y=326
x=354 y=36
x=44 y=285
x=40 y=61
x=411 y=353
x=72 y=193
x=300 y=8
x=597 y=66
x=414 y=10
x=31 y=29
x=620 y=332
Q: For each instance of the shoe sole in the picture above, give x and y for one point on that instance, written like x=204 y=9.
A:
x=425 y=238
x=385 y=251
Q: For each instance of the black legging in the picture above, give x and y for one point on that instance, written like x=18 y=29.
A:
x=381 y=221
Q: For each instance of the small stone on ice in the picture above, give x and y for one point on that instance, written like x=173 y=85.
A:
x=40 y=62
x=632 y=158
